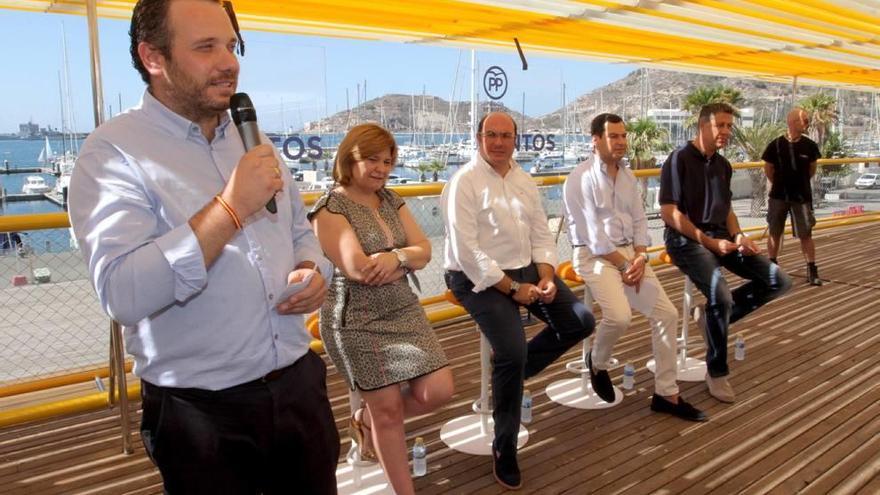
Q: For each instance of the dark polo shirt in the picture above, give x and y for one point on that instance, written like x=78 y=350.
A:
x=698 y=186
x=791 y=168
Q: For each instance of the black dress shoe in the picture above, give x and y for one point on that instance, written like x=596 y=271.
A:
x=601 y=381
x=682 y=409
x=505 y=469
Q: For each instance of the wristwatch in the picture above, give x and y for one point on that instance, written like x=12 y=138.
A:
x=514 y=288
x=402 y=258
x=644 y=255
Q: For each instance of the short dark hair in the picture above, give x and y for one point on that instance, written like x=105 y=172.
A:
x=482 y=120
x=710 y=109
x=149 y=23
x=597 y=126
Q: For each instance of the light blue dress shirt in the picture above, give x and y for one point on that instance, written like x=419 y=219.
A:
x=603 y=214
x=139 y=178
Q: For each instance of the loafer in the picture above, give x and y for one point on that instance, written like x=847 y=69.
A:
x=681 y=409
x=719 y=387
x=505 y=469
x=601 y=381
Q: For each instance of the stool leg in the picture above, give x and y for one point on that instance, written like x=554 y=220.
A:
x=586 y=385
x=485 y=367
x=687 y=306
x=474 y=433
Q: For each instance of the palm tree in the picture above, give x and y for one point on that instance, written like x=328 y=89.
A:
x=705 y=95
x=644 y=137
x=423 y=168
x=822 y=109
x=436 y=166
x=752 y=141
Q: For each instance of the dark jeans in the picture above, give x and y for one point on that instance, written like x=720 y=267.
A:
x=766 y=281
x=514 y=360
x=270 y=437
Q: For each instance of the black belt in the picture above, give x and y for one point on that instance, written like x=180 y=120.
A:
x=625 y=244
x=270 y=376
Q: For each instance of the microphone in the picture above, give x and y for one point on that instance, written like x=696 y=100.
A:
x=245 y=118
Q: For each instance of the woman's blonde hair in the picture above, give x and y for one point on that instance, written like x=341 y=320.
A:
x=361 y=142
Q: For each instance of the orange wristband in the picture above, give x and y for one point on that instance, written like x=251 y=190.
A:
x=229 y=210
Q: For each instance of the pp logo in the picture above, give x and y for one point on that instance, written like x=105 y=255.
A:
x=495 y=82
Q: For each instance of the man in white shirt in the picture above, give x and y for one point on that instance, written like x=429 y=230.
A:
x=499 y=256
x=609 y=235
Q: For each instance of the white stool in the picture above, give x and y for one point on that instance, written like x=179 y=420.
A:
x=578 y=392
x=688 y=369
x=474 y=433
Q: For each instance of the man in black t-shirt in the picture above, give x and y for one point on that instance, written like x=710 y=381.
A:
x=790 y=163
x=702 y=235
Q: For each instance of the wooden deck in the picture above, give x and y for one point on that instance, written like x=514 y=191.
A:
x=807 y=418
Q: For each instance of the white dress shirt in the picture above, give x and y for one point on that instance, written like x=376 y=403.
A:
x=603 y=214
x=139 y=178
x=493 y=223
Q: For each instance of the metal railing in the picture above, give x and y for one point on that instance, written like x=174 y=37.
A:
x=51 y=323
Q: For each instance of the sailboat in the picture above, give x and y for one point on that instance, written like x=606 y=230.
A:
x=47 y=156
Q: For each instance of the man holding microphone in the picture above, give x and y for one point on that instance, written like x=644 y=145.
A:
x=170 y=212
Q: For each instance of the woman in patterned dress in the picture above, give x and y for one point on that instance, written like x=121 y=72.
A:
x=373 y=327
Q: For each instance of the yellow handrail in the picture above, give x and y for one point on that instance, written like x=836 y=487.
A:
x=14 y=223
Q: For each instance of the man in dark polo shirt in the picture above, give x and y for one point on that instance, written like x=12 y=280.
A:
x=703 y=234
x=790 y=163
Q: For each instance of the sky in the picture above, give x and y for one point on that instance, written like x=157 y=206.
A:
x=283 y=74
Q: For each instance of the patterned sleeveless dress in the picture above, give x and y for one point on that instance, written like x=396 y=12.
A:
x=375 y=335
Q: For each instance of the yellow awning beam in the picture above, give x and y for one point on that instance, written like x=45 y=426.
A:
x=818 y=41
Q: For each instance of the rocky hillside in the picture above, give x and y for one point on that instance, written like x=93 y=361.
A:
x=666 y=89
x=408 y=113
x=643 y=88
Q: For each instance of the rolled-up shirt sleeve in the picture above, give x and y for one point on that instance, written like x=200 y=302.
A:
x=305 y=244
x=460 y=208
x=543 y=242
x=138 y=265
x=637 y=212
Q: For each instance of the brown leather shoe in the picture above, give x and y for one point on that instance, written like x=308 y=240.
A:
x=719 y=387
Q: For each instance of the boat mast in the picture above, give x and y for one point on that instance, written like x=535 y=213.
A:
x=473 y=95
x=63 y=122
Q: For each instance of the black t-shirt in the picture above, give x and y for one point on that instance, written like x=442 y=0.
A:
x=791 y=168
x=698 y=186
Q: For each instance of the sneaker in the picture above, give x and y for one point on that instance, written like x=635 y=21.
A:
x=719 y=387
x=813 y=274
x=601 y=381
x=505 y=469
x=681 y=409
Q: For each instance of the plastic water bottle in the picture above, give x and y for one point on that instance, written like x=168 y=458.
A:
x=526 y=409
x=420 y=454
x=739 y=348
x=629 y=375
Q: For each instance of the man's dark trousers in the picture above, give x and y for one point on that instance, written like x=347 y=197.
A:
x=498 y=316
x=275 y=435
x=766 y=281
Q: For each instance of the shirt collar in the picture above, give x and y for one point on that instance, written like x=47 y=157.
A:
x=175 y=123
x=483 y=165
x=696 y=151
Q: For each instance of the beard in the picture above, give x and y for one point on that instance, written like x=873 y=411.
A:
x=192 y=97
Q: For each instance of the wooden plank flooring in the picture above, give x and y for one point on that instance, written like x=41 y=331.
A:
x=807 y=418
